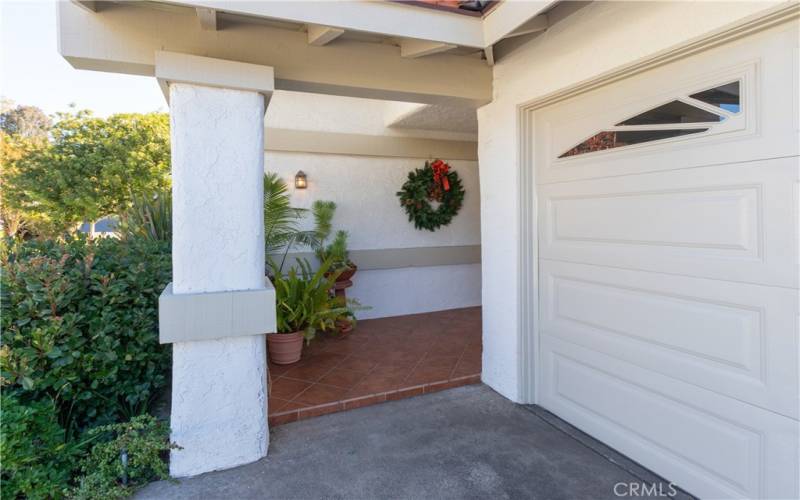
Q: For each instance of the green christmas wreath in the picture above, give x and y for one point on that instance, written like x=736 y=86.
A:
x=436 y=183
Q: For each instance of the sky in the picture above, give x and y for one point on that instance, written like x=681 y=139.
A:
x=33 y=72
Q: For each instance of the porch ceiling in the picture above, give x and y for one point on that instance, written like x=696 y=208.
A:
x=393 y=19
x=322 y=58
x=396 y=21
x=435 y=117
x=389 y=50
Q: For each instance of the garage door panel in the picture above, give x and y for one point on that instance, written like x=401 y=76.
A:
x=668 y=223
x=726 y=222
x=719 y=221
x=719 y=447
x=765 y=127
x=737 y=339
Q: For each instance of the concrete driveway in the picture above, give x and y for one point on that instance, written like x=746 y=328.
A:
x=467 y=442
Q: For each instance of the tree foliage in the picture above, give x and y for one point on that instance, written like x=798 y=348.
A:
x=91 y=167
x=15 y=220
x=23 y=129
x=24 y=121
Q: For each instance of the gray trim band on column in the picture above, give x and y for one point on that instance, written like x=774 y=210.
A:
x=398 y=258
x=206 y=316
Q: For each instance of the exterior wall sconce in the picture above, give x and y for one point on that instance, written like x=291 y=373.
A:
x=300 y=181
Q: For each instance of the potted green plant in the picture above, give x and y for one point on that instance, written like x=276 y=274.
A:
x=346 y=322
x=304 y=305
x=335 y=251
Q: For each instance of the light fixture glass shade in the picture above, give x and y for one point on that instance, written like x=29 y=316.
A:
x=300 y=181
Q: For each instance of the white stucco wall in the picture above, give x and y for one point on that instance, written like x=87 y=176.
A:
x=393 y=292
x=591 y=40
x=367 y=207
x=364 y=189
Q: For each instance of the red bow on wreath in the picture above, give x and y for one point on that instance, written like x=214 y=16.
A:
x=440 y=169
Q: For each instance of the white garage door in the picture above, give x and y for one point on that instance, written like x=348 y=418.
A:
x=668 y=266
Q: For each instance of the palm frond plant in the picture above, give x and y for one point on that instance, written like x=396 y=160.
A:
x=282 y=221
x=323 y=212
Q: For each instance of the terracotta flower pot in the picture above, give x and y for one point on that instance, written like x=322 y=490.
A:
x=343 y=327
x=347 y=273
x=344 y=276
x=285 y=348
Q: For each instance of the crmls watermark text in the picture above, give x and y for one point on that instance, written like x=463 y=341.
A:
x=645 y=490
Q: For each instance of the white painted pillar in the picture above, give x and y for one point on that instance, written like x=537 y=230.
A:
x=219 y=387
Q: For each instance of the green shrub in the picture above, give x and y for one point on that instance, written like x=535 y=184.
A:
x=143 y=442
x=37 y=459
x=80 y=326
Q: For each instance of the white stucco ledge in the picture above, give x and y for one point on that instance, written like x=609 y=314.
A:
x=175 y=67
x=206 y=316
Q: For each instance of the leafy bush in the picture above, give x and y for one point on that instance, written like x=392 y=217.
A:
x=141 y=443
x=36 y=456
x=80 y=326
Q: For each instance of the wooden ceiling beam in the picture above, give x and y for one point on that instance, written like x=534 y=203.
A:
x=411 y=48
x=322 y=35
x=208 y=19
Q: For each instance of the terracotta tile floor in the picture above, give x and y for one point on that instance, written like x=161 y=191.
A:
x=382 y=359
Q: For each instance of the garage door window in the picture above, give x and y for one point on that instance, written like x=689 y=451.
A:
x=686 y=115
x=611 y=139
x=725 y=97
x=673 y=112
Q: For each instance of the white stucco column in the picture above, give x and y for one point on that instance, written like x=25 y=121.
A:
x=219 y=392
